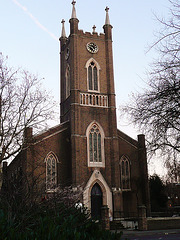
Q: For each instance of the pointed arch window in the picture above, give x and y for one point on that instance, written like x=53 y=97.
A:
x=96 y=201
x=67 y=81
x=95 y=145
x=51 y=171
x=93 y=75
x=125 y=173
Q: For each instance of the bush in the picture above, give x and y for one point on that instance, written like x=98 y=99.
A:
x=44 y=222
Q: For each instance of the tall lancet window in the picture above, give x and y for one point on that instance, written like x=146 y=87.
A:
x=93 y=75
x=67 y=82
x=125 y=173
x=95 y=145
x=51 y=171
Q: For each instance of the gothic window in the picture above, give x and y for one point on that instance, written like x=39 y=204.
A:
x=96 y=201
x=125 y=173
x=67 y=81
x=95 y=145
x=51 y=171
x=93 y=75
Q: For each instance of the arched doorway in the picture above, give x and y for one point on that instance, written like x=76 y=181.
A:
x=96 y=201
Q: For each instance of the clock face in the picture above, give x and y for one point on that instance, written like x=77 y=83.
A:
x=92 y=47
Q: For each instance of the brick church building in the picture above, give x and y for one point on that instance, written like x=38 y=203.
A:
x=86 y=149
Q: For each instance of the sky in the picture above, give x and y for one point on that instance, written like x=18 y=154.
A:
x=30 y=29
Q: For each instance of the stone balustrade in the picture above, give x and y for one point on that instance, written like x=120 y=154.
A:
x=94 y=100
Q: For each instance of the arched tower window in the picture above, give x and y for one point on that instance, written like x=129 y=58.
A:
x=95 y=145
x=93 y=75
x=67 y=82
x=51 y=171
x=125 y=173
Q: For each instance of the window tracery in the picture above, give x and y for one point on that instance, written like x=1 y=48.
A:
x=95 y=145
x=125 y=173
x=93 y=75
x=51 y=171
x=67 y=82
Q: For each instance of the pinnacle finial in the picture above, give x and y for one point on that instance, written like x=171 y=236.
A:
x=107 y=21
x=94 y=29
x=73 y=10
x=73 y=2
x=106 y=9
x=63 y=33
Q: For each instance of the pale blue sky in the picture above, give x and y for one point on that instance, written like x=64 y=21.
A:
x=30 y=30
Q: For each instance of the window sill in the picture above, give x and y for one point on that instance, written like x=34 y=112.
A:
x=96 y=164
x=51 y=191
x=126 y=190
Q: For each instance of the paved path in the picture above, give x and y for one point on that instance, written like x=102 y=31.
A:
x=171 y=234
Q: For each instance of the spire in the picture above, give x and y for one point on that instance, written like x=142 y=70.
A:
x=73 y=10
x=107 y=26
x=73 y=21
x=107 y=21
x=63 y=33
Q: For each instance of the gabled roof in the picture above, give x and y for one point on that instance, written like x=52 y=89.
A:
x=41 y=137
x=127 y=138
x=52 y=131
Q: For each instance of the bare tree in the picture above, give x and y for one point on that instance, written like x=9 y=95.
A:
x=156 y=110
x=173 y=173
x=168 y=38
x=23 y=103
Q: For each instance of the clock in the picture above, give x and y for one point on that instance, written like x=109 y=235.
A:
x=92 y=47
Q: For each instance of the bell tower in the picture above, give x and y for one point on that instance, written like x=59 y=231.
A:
x=88 y=100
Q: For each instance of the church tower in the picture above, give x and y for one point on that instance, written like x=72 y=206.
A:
x=86 y=149
x=88 y=100
x=104 y=161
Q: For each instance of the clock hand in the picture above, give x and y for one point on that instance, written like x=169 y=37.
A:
x=91 y=47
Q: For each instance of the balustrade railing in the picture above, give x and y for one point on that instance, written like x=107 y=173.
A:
x=95 y=100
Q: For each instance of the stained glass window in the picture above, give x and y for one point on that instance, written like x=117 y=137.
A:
x=125 y=173
x=90 y=77
x=50 y=172
x=127 y=168
x=95 y=144
x=90 y=147
x=93 y=77
x=67 y=82
x=99 y=148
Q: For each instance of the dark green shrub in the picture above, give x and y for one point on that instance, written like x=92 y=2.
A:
x=47 y=223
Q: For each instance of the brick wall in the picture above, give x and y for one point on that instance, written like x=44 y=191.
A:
x=163 y=223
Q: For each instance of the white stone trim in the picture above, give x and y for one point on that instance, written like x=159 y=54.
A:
x=98 y=68
x=94 y=100
x=97 y=177
x=56 y=161
x=96 y=164
x=124 y=176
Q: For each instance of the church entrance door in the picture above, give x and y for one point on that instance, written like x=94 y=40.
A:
x=96 y=201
